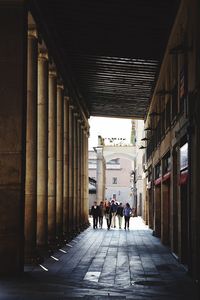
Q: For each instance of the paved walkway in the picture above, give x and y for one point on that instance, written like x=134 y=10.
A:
x=102 y=264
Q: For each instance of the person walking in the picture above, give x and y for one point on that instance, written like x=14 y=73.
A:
x=95 y=214
x=113 y=209
x=127 y=214
x=120 y=214
x=101 y=213
x=108 y=215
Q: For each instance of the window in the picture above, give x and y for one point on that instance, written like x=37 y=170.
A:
x=168 y=114
x=158 y=171
x=113 y=161
x=166 y=163
x=174 y=84
x=182 y=88
x=114 y=180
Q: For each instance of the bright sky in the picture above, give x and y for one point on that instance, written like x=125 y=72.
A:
x=109 y=128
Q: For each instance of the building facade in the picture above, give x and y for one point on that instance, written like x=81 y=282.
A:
x=117 y=178
x=172 y=139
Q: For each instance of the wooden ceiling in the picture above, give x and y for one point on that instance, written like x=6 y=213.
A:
x=110 y=51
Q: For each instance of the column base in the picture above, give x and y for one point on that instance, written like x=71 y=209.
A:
x=42 y=253
x=31 y=257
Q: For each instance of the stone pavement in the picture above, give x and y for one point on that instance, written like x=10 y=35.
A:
x=102 y=264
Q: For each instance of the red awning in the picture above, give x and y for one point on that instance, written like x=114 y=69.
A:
x=158 y=181
x=183 y=177
x=166 y=176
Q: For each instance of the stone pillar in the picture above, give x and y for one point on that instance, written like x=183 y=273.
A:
x=31 y=147
x=59 y=162
x=52 y=117
x=66 y=169
x=80 y=174
x=85 y=175
x=75 y=217
x=70 y=224
x=87 y=180
x=13 y=94
x=100 y=173
x=42 y=159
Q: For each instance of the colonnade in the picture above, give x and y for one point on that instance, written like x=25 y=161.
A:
x=56 y=152
x=44 y=147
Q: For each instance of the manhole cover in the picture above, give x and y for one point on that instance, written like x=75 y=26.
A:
x=148 y=283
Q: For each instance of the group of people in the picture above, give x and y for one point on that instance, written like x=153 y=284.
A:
x=111 y=211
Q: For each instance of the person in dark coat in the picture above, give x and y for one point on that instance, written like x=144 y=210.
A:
x=127 y=214
x=120 y=210
x=113 y=213
x=101 y=213
x=95 y=214
x=108 y=215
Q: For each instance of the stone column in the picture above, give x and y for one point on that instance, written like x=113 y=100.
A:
x=66 y=168
x=100 y=173
x=31 y=147
x=70 y=224
x=42 y=158
x=75 y=217
x=59 y=161
x=85 y=175
x=52 y=156
x=79 y=171
x=13 y=94
x=87 y=181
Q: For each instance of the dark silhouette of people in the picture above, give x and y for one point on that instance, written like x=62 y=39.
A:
x=113 y=209
x=119 y=214
x=101 y=213
x=127 y=214
x=95 y=214
x=108 y=215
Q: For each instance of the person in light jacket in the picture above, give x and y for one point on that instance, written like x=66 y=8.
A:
x=127 y=214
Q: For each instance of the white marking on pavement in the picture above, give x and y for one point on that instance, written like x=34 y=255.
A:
x=62 y=250
x=43 y=268
x=54 y=258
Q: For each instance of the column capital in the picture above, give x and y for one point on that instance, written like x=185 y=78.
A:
x=72 y=107
x=43 y=54
x=66 y=98
x=60 y=85
x=32 y=31
x=52 y=71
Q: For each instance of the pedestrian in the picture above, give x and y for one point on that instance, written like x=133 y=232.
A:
x=108 y=215
x=95 y=214
x=127 y=214
x=113 y=209
x=120 y=214
x=101 y=213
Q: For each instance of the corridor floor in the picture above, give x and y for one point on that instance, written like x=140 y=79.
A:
x=102 y=264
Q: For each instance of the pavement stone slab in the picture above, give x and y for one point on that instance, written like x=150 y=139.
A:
x=105 y=264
